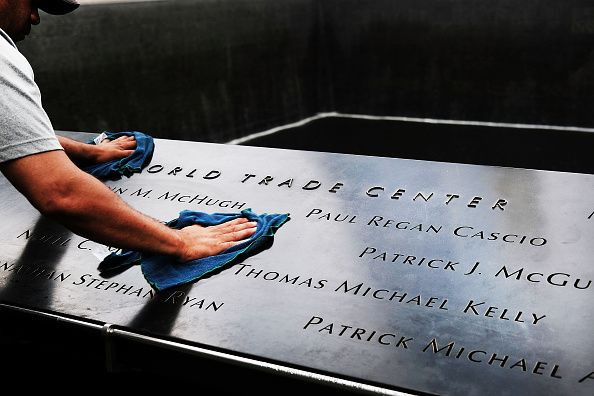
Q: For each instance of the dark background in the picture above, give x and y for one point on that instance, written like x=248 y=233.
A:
x=211 y=70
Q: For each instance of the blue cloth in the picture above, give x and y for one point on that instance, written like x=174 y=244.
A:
x=129 y=165
x=163 y=272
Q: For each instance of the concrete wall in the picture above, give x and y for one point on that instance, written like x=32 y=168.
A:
x=197 y=70
x=529 y=61
x=213 y=70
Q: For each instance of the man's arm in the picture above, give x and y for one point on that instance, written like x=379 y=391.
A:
x=58 y=189
x=87 y=154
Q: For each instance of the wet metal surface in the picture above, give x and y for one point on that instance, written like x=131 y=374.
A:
x=412 y=275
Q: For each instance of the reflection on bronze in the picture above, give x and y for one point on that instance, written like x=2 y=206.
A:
x=428 y=277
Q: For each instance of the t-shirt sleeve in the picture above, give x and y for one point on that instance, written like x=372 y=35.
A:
x=24 y=125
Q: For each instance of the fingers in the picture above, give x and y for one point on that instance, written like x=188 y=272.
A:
x=114 y=155
x=236 y=230
x=124 y=142
x=209 y=241
x=235 y=225
x=227 y=245
x=128 y=144
x=123 y=138
x=242 y=234
x=239 y=220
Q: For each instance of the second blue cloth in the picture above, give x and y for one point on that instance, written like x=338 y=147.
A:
x=163 y=272
x=134 y=163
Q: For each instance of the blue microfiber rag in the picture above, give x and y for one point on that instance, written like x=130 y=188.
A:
x=129 y=165
x=163 y=271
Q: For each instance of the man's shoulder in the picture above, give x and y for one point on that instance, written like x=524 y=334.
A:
x=9 y=53
x=6 y=50
x=7 y=39
x=13 y=65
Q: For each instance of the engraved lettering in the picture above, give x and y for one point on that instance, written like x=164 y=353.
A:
x=375 y=220
x=344 y=285
x=493 y=359
x=450 y=197
x=155 y=169
x=247 y=176
x=435 y=348
x=288 y=183
x=139 y=192
x=499 y=204
x=313 y=320
x=589 y=376
x=559 y=279
x=238 y=205
x=469 y=232
x=166 y=196
x=368 y=250
x=471 y=306
x=118 y=190
x=82 y=279
x=266 y=180
x=312 y=185
x=502 y=361
x=398 y=193
x=314 y=212
x=175 y=171
x=520 y=363
x=336 y=187
x=474 y=202
x=494 y=312
x=471 y=356
x=371 y=192
x=196 y=198
x=213 y=174
x=27 y=234
x=420 y=194
x=317 y=323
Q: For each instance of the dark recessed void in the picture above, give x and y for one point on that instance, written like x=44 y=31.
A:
x=534 y=148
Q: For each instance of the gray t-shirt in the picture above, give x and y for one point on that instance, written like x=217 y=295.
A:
x=24 y=126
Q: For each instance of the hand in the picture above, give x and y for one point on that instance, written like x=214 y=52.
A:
x=109 y=150
x=202 y=242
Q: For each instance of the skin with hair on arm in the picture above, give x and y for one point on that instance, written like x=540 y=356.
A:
x=60 y=190
x=86 y=154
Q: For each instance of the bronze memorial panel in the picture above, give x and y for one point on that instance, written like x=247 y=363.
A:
x=408 y=275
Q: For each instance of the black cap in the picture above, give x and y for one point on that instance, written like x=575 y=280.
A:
x=58 y=7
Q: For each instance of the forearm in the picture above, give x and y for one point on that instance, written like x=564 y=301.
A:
x=79 y=153
x=58 y=189
x=84 y=154
x=91 y=210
